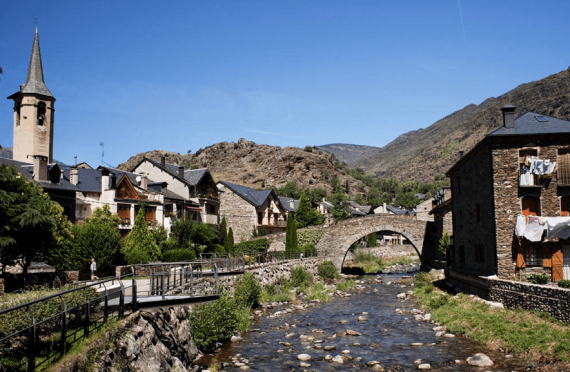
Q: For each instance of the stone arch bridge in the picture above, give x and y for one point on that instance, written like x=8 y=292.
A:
x=337 y=239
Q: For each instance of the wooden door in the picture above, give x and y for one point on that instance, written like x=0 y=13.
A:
x=557 y=270
x=530 y=206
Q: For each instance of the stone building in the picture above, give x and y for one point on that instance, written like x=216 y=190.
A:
x=442 y=219
x=246 y=209
x=519 y=172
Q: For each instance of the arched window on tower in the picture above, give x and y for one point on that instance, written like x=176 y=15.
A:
x=17 y=109
x=41 y=112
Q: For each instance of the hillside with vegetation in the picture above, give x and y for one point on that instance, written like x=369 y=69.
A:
x=420 y=155
x=350 y=154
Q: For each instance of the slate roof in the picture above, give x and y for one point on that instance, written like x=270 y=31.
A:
x=255 y=197
x=527 y=124
x=395 y=210
x=27 y=170
x=89 y=180
x=365 y=209
x=35 y=79
x=286 y=203
x=191 y=176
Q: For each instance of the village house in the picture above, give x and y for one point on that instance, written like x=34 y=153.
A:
x=511 y=196
x=196 y=186
x=246 y=209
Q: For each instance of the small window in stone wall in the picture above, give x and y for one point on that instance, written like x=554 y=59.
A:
x=564 y=205
x=533 y=255
x=41 y=113
x=479 y=253
x=461 y=254
x=530 y=206
x=526 y=177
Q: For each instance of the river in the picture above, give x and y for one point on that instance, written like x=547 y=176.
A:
x=396 y=340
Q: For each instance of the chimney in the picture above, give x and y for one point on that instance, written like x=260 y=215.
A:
x=74 y=175
x=181 y=172
x=40 y=168
x=508 y=116
x=461 y=153
x=104 y=180
x=144 y=181
x=384 y=207
x=163 y=161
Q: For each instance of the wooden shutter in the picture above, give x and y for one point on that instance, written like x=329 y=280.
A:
x=564 y=205
x=564 y=169
x=557 y=273
x=547 y=250
x=520 y=256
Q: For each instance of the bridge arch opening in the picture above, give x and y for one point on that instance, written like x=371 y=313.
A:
x=390 y=244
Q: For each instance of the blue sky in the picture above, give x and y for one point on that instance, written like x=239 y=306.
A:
x=182 y=75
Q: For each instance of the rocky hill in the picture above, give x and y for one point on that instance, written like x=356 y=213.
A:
x=424 y=153
x=350 y=154
x=247 y=163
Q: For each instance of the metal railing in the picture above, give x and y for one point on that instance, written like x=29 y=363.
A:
x=39 y=332
x=281 y=256
x=225 y=262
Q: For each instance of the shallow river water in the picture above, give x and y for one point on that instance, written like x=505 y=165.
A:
x=386 y=337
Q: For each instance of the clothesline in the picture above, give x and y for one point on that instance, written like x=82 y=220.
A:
x=555 y=227
x=533 y=165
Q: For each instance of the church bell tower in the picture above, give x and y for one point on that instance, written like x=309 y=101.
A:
x=33 y=113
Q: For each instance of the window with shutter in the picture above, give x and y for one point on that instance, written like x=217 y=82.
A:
x=564 y=167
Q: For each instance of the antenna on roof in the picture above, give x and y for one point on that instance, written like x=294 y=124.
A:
x=75 y=160
x=102 y=144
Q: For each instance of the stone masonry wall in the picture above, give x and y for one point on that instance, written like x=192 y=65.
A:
x=508 y=194
x=240 y=215
x=532 y=297
x=472 y=190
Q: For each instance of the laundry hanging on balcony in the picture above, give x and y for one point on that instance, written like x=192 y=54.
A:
x=533 y=165
x=555 y=227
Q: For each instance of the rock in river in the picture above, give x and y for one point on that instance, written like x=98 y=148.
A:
x=479 y=360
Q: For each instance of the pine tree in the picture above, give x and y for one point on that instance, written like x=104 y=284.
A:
x=223 y=229
x=291 y=241
x=371 y=242
x=306 y=215
x=229 y=241
x=340 y=207
x=140 y=246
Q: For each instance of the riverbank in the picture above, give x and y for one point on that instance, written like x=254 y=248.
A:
x=538 y=338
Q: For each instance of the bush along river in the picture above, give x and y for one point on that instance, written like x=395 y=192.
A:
x=369 y=327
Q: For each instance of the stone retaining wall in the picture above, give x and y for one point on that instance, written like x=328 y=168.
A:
x=269 y=273
x=512 y=294
x=532 y=297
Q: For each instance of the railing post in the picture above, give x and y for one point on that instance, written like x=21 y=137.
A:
x=134 y=290
x=87 y=314
x=216 y=277
x=162 y=283
x=63 y=342
x=106 y=310
x=183 y=278
x=191 y=280
x=167 y=280
x=122 y=300
x=32 y=345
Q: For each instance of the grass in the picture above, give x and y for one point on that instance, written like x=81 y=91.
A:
x=372 y=264
x=531 y=335
x=318 y=291
x=345 y=285
x=449 y=149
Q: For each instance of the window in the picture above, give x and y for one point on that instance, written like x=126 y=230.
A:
x=41 y=112
x=564 y=203
x=564 y=167
x=276 y=217
x=124 y=211
x=150 y=214
x=210 y=209
x=479 y=253
x=533 y=255
x=259 y=218
x=526 y=177
x=530 y=206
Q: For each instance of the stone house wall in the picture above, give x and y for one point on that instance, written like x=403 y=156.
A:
x=508 y=195
x=473 y=214
x=423 y=209
x=240 y=215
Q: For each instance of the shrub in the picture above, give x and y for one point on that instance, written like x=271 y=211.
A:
x=372 y=240
x=422 y=279
x=177 y=255
x=308 y=149
x=327 y=270
x=252 y=247
x=300 y=277
x=214 y=321
x=345 y=285
x=538 y=278
x=309 y=250
x=309 y=236
x=364 y=256
x=247 y=290
x=564 y=283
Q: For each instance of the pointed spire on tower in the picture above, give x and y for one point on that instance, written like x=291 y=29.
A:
x=35 y=80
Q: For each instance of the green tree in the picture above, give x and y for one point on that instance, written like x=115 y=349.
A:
x=291 y=240
x=335 y=184
x=189 y=234
x=358 y=198
x=340 y=208
x=407 y=200
x=229 y=241
x=306 y=215
x=315 y=194
x=444 y=243
x=372 y=240
x=140 y=246
x=223 y=229
x=29 y=221
x=98 y=237
x=160 y=236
